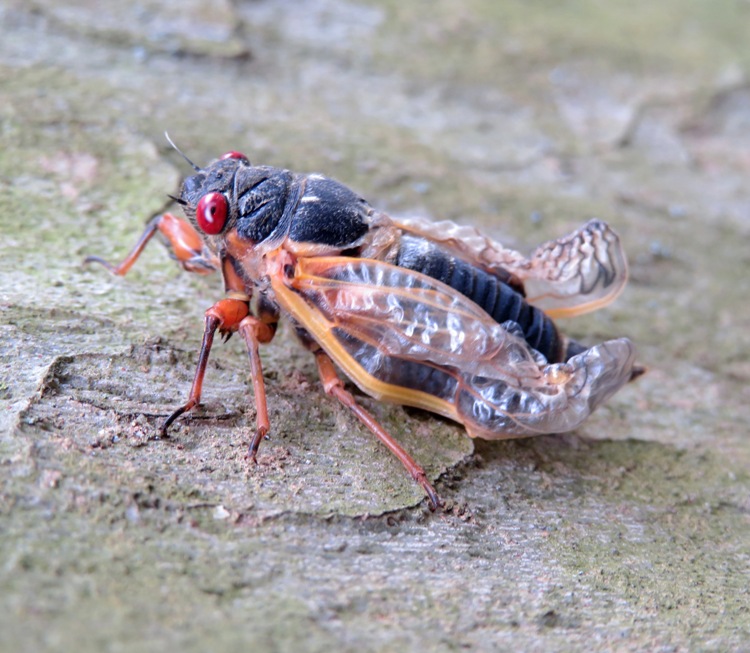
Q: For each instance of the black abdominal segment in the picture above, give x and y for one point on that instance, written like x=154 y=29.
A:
x=419 y=375
x=496 y=297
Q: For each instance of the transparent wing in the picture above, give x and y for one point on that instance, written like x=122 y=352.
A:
x=578 y=273
x=575 y=274
x=404 y=337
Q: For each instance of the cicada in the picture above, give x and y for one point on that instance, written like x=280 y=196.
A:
x=432 y=315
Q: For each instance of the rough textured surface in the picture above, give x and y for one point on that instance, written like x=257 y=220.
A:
x=630 y=534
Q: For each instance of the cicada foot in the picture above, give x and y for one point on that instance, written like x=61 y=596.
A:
x=260 y=434
x=164 y=430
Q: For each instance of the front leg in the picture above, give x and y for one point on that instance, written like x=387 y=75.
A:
x=185 y=243
x=225 y=316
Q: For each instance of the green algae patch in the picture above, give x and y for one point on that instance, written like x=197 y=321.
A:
x=664 y=535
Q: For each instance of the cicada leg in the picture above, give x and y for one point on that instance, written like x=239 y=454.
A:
x=226 y=316
x=185 y=243
x=256 y=332
x=334 y=387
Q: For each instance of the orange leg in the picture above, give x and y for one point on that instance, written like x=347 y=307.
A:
x=226 y=316
x=256 y=332
x=334 y=387
x=185 y=242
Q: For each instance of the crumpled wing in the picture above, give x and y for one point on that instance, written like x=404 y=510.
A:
x=403 y=337
x=578 y=273
x=575 y=274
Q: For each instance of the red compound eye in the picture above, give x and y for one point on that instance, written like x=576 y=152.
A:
x=235 y=155
x=211 y=213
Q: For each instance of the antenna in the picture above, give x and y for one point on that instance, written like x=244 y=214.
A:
x=181 y=153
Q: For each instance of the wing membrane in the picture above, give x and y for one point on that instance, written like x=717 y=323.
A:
x=581 y=272
x=404 y=337
x=575 y=274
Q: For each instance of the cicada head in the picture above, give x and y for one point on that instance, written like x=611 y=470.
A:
x=209 y=196
x=232 y=194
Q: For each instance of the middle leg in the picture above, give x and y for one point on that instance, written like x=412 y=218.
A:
x=256 y=331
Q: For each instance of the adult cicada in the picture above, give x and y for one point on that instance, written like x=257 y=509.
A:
x=432 y=315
